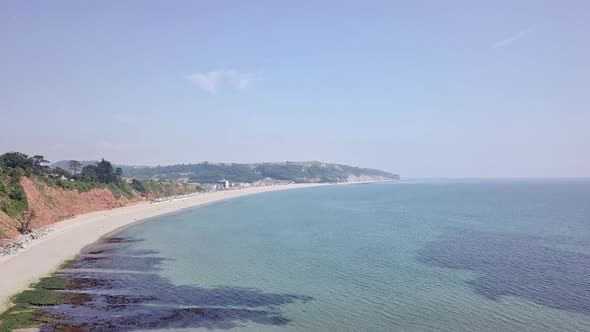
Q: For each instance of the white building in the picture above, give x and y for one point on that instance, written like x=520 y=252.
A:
x=224 y=184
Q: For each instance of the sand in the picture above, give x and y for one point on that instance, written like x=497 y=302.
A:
x=69 y=237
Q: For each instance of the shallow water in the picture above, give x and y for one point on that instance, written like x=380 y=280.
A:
x=415 y=256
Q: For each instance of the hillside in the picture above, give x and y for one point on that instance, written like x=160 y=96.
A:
x=33 y=195
x=52 y=204
x=300 y=172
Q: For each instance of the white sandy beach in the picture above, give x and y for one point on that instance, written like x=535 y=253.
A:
x=68 y=237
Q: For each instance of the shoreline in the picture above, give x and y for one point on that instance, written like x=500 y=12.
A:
x=68 y=237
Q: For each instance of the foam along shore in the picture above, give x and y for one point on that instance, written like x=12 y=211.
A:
x=67 y=238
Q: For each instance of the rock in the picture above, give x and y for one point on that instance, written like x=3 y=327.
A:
x=12 y=247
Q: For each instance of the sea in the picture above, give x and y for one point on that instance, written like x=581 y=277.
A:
x=428 y=255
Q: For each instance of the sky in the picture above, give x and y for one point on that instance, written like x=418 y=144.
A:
x=418 y=88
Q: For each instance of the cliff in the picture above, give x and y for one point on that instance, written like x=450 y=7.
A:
x=52 y=204
x=55 y=204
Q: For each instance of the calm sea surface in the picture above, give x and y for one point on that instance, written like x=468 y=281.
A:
x=414 y=256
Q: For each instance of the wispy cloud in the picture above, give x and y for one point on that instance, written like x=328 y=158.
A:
x=512 y=38
x=212 y=81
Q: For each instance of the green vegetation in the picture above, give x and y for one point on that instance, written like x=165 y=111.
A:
x=205 y=172
x=80 y=186
x=74 y=166
x=67 y=264
x=163 y=189
x=25 y=311
x=18 y=317
x=291 y=171
x=37 y=297
x=318 y=172
x=142 y=186
x=126 y=189
x=13 y=200
x=52 y=283
x=102 y=172
x=121 y=188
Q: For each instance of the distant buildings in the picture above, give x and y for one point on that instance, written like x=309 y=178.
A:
x=228 y=185
x=128 y=180
x=209 y=187
x=224 y=184
x=271 y=182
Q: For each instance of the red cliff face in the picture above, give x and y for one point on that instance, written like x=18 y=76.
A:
x=52 y=204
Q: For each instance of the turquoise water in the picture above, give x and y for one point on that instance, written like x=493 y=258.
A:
x=414 y=256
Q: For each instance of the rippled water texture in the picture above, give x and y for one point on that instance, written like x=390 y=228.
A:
x=416 y=256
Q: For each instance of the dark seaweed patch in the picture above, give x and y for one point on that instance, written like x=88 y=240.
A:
x=121 y=240
x=119 y=262
x=138 y=252
x=102 y=296
x=516 y=265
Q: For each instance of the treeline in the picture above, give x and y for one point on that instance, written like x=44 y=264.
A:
x=292 y=171
x=21 y=164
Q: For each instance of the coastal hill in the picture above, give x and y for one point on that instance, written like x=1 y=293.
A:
x=299 y=172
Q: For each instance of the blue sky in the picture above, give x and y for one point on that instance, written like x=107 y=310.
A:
x=421 y=88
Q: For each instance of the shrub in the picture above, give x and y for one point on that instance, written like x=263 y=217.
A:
x=72 y=185
x=121 y=188
x=13 y=208
x=115 y=190
x=140 y=186
x=13 y=200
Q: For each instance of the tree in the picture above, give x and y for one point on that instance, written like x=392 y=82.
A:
x=89 y=173
x=140 y=186
x=74 y=166
x=105 y=172
x=118 y=172
x=16 y=159
x=38 y=161
x=61 y=172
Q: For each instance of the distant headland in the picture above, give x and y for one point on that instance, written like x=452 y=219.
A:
x=296 y=171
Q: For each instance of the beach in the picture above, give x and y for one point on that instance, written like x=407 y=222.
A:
x=68 y=237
